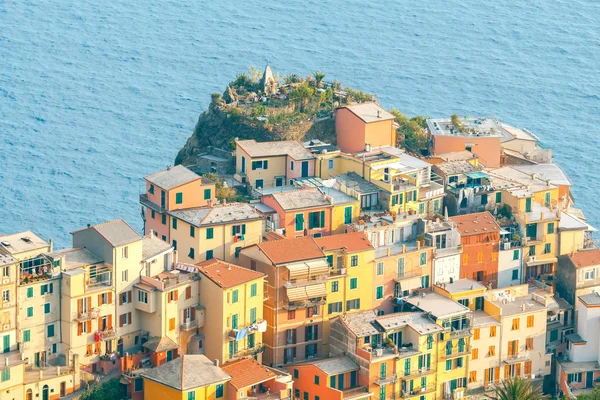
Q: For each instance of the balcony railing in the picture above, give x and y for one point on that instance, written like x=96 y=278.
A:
x=257 y=349
x=417 y=391
x=306 y=282
x=87 y=315
x=145 y=202
x=385 y=379
x=420 y=372
x=189 y=325
x=107 y=334
x=337 y=271
x=355 y=392
x=448 y=251
x=304 y=304
x=250 y=328
x=413 y=273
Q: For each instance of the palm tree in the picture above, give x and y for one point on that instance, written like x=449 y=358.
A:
x=319 y=76
x=517 y=388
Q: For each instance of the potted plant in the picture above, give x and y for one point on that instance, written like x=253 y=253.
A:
x=421 y=239
x=389 y=343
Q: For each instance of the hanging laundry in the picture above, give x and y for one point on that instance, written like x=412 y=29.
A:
x=262 y=326
x=241 y=333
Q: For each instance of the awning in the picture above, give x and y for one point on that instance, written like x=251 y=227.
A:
x=298 y=271
x=476 y=175
x=318 y=290
x=296 y=294
x=550 y=260
x=410 y=283
x=319 y=267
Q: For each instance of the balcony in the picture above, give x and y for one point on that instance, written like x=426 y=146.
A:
x=249 y=329
x=304 y=304
x=413 y=273
x=385 y=379
x=337 y=271
x=87 y=315
x=460 y=332
x=189 y=325
x=417 y=391
x=251 y=352
x=449 y=251
x=465 y=352
x=107 y=334
x=98 y=277
x=458 y=393
x=307 y=282
x=145 y=202
x=359 y=392
x=420 y=372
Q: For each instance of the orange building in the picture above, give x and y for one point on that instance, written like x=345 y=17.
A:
x=251 y=380
x=361 y=126
x=175 y=188
x=333 y=378
x=480 y=236
x=302 y=212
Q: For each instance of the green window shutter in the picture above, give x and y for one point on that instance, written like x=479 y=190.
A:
x=29 y=292
x=234 y=296
x=528 y=204
x=423 y=258
x=332 y=381
x=29 y=312
x=515 y=254
x=210 y=233
x=243 y=229
x=253 y=315
x=348 y=215
x=233 y=230
x=26 y=335
x=330 y=260
x=50 y=331
x=253 y=289
x=401 y=198
x=551 y=228
x=420 y=362
x=178 y=198
x=192 y=231
x=322 y=220
x=498 y=197
x=234 y=321
x=174 y=223
x=46 y=308
x=209 y=254
x=206 y=194
x=353 y=283
x=299 y=222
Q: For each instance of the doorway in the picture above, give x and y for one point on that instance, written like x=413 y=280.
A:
x=45 y=392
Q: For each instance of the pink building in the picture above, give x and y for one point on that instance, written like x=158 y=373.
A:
x=360 y=126
x=175 y=188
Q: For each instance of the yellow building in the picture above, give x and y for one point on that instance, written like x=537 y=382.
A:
x=405 y=181
x=233 y=299
x=186 y=377
x=453 y=345
x=203 y=233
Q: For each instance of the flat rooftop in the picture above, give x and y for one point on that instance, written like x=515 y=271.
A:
x=290 y=148
x=462 y=285
x=416 y=320
x=370 y=112
x=76 y=258
x=518 y=305
x=438 y=305
x=353 y=181
x=22 y=242
x=456 y=167
x=481 y=319
x=472 y=127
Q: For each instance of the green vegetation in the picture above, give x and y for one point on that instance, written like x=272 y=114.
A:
x=456 y=122
x=223 y=192
x=517 y=388
x=411 y=134
x=595 y=395
x=108 y=390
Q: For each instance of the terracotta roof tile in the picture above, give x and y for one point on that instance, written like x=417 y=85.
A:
x=291 y=250
x=351 y=242
x=585 y=258
x=475 y=223
x=226 y=275
x=247 y=372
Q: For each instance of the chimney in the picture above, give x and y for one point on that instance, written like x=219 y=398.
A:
x=51 y=244
x=151 y=232
x=216 y=362
x=378 y=114
x=89 y=225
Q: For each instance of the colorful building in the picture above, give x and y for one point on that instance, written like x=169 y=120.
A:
x=480 y=236
x=175 y=188
x=272 y=164
x=578 y=274
x=221 y=231
x=363 y=126
x=250 y=379
x=232 y=298
x=184 y=378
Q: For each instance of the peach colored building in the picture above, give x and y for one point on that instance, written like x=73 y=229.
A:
x=364 y=125
x=480 y=136
x=251 y=380
x=480 y=237
x=302 y=212
x=175 y=188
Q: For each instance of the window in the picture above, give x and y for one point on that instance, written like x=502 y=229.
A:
x=335 y=286
x=26 y=336
x=379 y=268
x=46 y=308
x=515 y=274
x=29 y=292
x=480 y=257
x=259 y=183
x=448 y=365
x=465 y=258
x=153 y=214
x=401 y=267
x=334 y=308
x=164 y=219
x=234 y=296
x=291 y=169
x=210 y=233
x=171 y=324
x=423 y=258
x=253 y=290
x=124 y=276
x=550 y=228
x=330 y=164
x=529 y=343
x=473 y=374
x=348 y=215
x=192 y=254
x=138 y=385
x=47 y=288
x=532 y=250
x=178 y=198
x=379 y=294
x=589 y=274
x=528 y=204
x=316 y=219
x=476 y=333
x=492 y=351
x=474 y=354
x=174 y=223
x=125 y=252
x=354 y=261
x=253 y=315
x=515 y=323
x=484 y=199
x=263 y=164
x=316 y=379
x=219 y=392
x=492 y=331
x=547 y=248
x=6 y=295
x=142 y=297
x=51 y=330
x=353 y=283
x=498 y=197
x=554 y=335
x=234 y=321
x=429 y=342
x=151 y=189
x=209 y=254
x=459 y=362
x=530 y=321
x=299 y=222
x=193 y=231
x=125 y=319
x=353 y=304
x=5 y=375
x=291 y=314
x=207 y=194
x=29 y=312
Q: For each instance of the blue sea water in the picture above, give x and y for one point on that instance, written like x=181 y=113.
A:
x=96 y=94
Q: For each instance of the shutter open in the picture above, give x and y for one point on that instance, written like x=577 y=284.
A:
x=99 y=300
x=79 y=328
x=89 y=326
x=176 y=294
x=129 y=296
x=89 y=305
x=121 y=300
x=322 y=219
x=109 y=297
x=188 y=292
x=79 y=306
x=121 y=318
x=130 y=321
x=110 y=321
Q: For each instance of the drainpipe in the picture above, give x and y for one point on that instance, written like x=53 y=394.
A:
x=275 y=325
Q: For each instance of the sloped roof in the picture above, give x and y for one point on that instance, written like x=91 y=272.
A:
x=475 y=223
x=173 y=177
x=152 y=246
x=219 y=214
x=370 y=112
x=117 y=232
x=227 y=275
x=337 y=365
x=585 y=258
x=247 y=372
x=291 y=250
x=187 y=372
x=350 y=242
x=158 y=344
